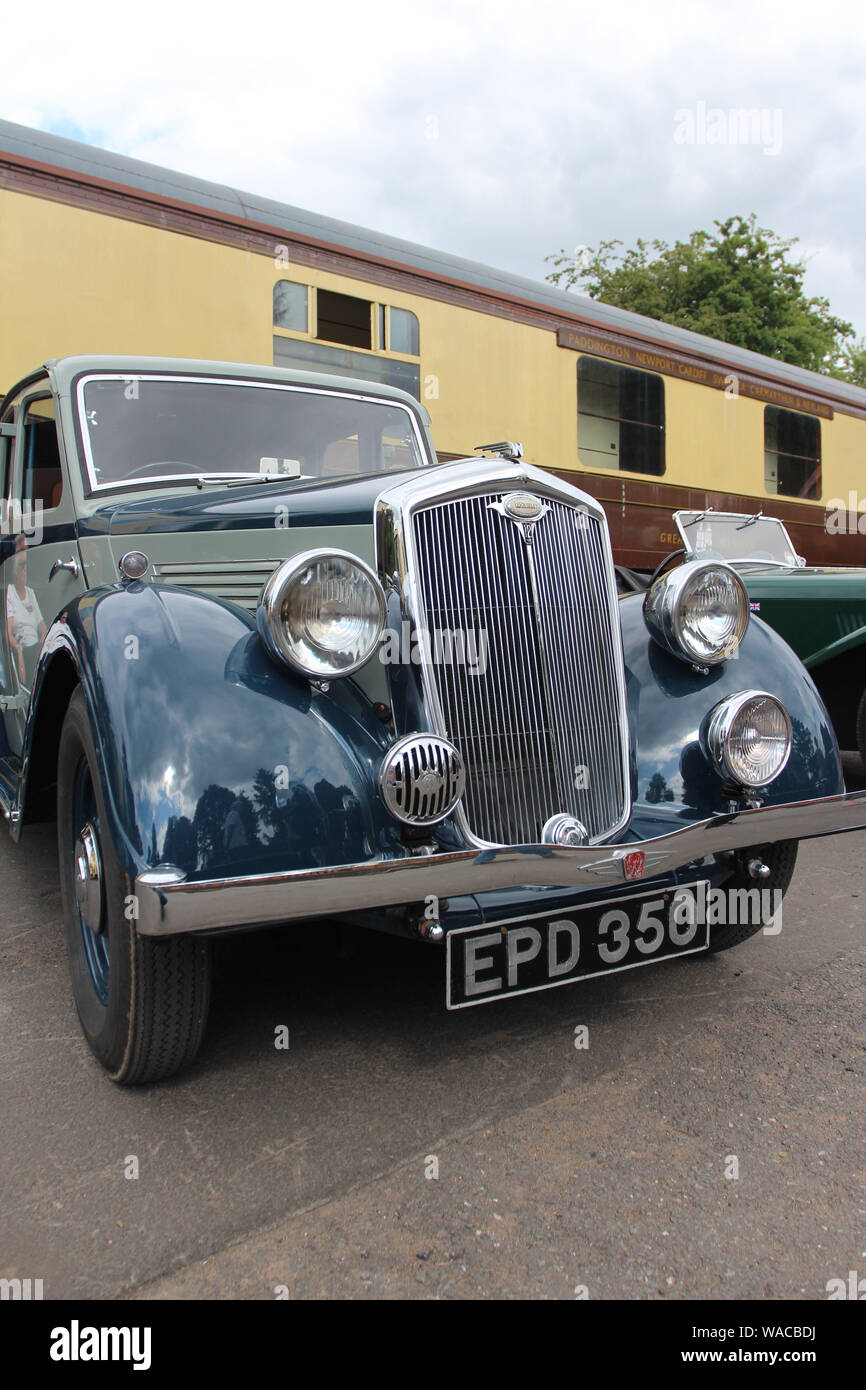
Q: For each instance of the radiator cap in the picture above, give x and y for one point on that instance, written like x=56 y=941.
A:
x=563 y=829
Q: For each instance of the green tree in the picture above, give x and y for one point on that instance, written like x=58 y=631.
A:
x=850 y=364
x=738 y=283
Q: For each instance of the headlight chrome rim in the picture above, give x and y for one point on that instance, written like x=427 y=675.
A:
x=721 y=735
x=667 y=616
x=308 y=657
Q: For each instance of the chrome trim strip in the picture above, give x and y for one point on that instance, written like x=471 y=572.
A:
x=266 y=899
x=544 y=665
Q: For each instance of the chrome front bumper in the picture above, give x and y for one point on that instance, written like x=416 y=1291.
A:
x=168 y=907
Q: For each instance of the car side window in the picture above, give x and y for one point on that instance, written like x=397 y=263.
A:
x=5 y=466
x=42 y=476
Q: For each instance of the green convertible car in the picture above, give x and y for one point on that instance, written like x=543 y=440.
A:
x=820 y=611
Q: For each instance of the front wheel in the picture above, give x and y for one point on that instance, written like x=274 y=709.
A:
x=142 y=1003
x=781 y=860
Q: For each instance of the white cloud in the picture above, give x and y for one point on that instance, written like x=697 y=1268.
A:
x=553 y=125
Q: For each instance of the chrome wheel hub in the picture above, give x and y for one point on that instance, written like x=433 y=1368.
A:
x=88 y=878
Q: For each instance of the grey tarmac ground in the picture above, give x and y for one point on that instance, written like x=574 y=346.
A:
x=302 y=1172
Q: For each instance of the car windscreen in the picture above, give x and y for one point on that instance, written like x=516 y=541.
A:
x=144 y=429
x=713 y=535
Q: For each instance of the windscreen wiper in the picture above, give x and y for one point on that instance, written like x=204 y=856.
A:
x=229 y=479
x=246 y=479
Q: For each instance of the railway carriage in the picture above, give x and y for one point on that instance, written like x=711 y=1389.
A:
x=649 y=419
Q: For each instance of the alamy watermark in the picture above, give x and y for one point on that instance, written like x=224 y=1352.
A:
x=739 y=125
x=20 y=1290
x=22 y=520
x=726 y=907
x=410 y=646
x=853 y=1288
x=77 y=1343
x=840 y=520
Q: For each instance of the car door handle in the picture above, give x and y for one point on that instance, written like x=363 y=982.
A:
x=70 y=565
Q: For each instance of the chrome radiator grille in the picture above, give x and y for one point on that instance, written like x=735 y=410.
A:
x=539 y=722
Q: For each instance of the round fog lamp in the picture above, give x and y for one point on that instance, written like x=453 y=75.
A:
x=749 y=737
x=421 y=779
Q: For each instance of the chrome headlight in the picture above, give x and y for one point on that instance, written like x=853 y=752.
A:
x=749 y=737
x=698 y=612
x=322 y=613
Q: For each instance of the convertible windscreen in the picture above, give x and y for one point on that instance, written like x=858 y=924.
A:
x=148 y=429
x=728 y=536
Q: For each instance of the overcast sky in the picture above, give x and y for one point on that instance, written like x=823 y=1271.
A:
x=493 y=130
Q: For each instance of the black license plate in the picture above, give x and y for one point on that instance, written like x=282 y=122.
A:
x=546 y=950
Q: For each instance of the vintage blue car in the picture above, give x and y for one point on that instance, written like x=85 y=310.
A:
x=268 y=661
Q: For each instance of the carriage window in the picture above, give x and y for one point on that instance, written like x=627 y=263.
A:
x=343 y=319
x=5 y=462
x=43 y=478
x=290 y=306
x=620 y=417
x=792 y=453
x=316 y=357
x=403 y=332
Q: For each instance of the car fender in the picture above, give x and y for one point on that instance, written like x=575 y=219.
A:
x=669 y=704
x=213 y=757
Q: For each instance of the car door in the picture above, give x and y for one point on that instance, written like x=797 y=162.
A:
x=40 y=567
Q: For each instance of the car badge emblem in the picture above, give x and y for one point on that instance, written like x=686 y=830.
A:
x=522 y=507
x=627 y=864
x=430 y=782
x=634 y=864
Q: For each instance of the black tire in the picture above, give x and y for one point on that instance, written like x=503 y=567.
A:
x=861 y=730
x=142 y=1003
x=781 y=859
